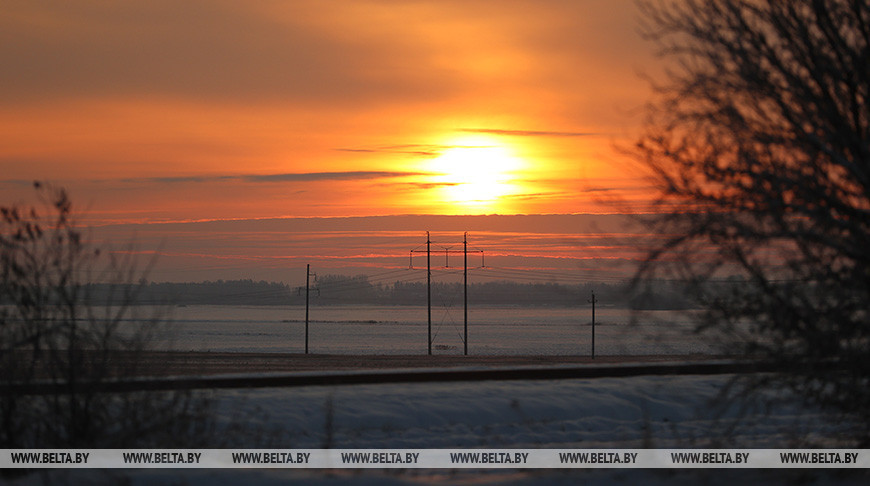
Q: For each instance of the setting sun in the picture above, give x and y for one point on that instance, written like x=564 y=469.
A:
x=476 y=173
x=481 y=108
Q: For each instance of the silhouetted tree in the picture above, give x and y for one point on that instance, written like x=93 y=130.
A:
x=760 y=143
x=53 y=331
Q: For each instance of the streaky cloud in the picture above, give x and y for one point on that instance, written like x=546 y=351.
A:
x=536 y=195
x=330 y=176
x=283 y=177
x=179 y=179
x=431 y=185
x=527 y=133
x=17 y=182
x=415 y=150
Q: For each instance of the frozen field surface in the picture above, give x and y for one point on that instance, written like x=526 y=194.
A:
x=493 y=330
x=600 y=477
x=639 y=412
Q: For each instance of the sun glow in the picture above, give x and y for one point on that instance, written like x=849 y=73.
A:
x=476 y=174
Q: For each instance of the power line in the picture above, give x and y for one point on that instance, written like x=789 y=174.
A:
x=538 y=276
x=447 y=252
x=593 y=301
x=308 y=274
x=359 y=284
x=551 y=273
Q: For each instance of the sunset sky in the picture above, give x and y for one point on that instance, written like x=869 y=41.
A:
x=164 y=113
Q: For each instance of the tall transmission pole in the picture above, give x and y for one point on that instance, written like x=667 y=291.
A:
x=465 y=285
x=593 y=301
x=308 y=274
x=429 y=290
x=447 y=252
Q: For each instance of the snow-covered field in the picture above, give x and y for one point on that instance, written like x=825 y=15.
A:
x=492 y=330
x=634 y=412
x=615 y=413
x=639 y=412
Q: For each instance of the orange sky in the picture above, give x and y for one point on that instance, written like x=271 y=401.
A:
x=213 y=116
x=200 y=110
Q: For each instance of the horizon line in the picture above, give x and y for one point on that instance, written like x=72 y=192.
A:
x=399 y=215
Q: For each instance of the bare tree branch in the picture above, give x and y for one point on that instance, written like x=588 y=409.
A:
x=52 y=328
x=761 y=140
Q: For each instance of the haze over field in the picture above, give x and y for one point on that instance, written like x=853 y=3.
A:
x=559 y=248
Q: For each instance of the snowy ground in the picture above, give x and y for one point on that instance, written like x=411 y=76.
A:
x=599 y=477
x=640 y=412
x=592 y=413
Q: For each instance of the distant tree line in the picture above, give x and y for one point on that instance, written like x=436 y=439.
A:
x=357 y=290
x=228 y=292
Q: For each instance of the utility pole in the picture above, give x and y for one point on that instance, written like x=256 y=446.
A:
x=465 y=284
x=429 y=290
x=592 y=301
x=307 y=275
x=447 y=252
